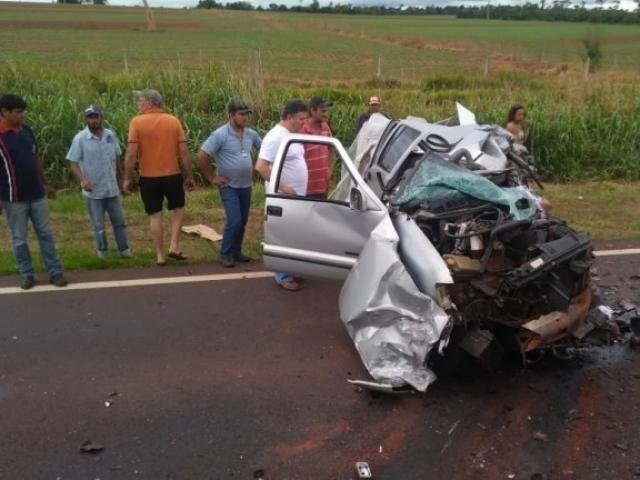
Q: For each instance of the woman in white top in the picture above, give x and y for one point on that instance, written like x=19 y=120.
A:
x=517 y=124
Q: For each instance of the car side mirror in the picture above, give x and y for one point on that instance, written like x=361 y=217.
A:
x=357 y=200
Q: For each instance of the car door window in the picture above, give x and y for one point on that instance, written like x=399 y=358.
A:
x=336 y=182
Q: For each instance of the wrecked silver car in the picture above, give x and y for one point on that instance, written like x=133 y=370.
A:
x=446 y=251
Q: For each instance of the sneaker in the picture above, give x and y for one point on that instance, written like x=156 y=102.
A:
x=239 y=257
x=28 y=282
x=102 y=254
x=58 y=280
x=126 y=253
x=227 y=261
x=292 y=286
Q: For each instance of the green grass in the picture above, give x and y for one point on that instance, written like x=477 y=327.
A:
x=607 y=210
x=75 y=243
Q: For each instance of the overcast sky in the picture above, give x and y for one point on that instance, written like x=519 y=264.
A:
x=626 y=4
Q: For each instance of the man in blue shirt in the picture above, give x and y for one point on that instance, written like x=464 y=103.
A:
x=94 y=155
x=22 y=192
x=230 y=146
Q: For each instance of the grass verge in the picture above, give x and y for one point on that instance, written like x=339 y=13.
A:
x=608 y=210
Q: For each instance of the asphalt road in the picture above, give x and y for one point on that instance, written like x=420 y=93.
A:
x=216 y=380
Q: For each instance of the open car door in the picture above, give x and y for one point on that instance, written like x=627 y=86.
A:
x=319 y=237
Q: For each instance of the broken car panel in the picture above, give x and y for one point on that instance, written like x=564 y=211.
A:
x=444 y=247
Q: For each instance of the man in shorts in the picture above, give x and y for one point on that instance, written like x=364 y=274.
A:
x=156 y=140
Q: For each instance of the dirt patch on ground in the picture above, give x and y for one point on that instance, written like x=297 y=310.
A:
x=499 y=63
x=84 y=25
x=420 y=44
x=620 y=40
x=316 y=440
x=409 y=42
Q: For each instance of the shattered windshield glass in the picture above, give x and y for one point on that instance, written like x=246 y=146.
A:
x=439 y=185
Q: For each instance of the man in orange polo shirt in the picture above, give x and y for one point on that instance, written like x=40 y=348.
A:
x=156 y=140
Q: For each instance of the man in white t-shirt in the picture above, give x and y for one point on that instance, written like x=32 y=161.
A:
x=294 y=176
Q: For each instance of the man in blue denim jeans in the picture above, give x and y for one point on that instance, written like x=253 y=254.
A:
x=23 y=192
x=231 y=146
x=294 y=175
x=94 y=157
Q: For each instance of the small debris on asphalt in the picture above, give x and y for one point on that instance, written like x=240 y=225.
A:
x=258 y=474
x=538 y=476
x=89 y=447
x=363 y=470
x=621 y=446
x=540 y=436
x=573 y=415
x=511 y=476
x=606 y=372
x=453 y=427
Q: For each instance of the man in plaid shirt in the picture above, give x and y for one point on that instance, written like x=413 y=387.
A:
x=318 y=157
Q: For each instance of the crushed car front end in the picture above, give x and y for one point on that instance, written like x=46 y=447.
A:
x=507 y=276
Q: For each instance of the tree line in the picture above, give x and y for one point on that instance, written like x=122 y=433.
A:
x=558 y=10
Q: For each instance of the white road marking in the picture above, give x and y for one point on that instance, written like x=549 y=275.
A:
x=139 y=282
x=614 y=253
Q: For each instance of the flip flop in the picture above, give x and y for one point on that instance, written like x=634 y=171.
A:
x=177 y=255
x=161 y=264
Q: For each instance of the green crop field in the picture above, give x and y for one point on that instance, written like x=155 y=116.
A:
x=296 y=47
x=62 y=57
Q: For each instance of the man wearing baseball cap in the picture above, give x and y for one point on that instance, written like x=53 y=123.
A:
x=374 y=107
x=23 y=192
x=95 y=160
x=318 y=157
x=230 y=147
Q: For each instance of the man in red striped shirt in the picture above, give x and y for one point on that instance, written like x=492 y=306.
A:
x=318 y=157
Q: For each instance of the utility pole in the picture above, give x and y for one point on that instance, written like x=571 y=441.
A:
x=151 y=22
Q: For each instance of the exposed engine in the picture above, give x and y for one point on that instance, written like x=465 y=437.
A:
x=519 y=283
x=509 y=277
